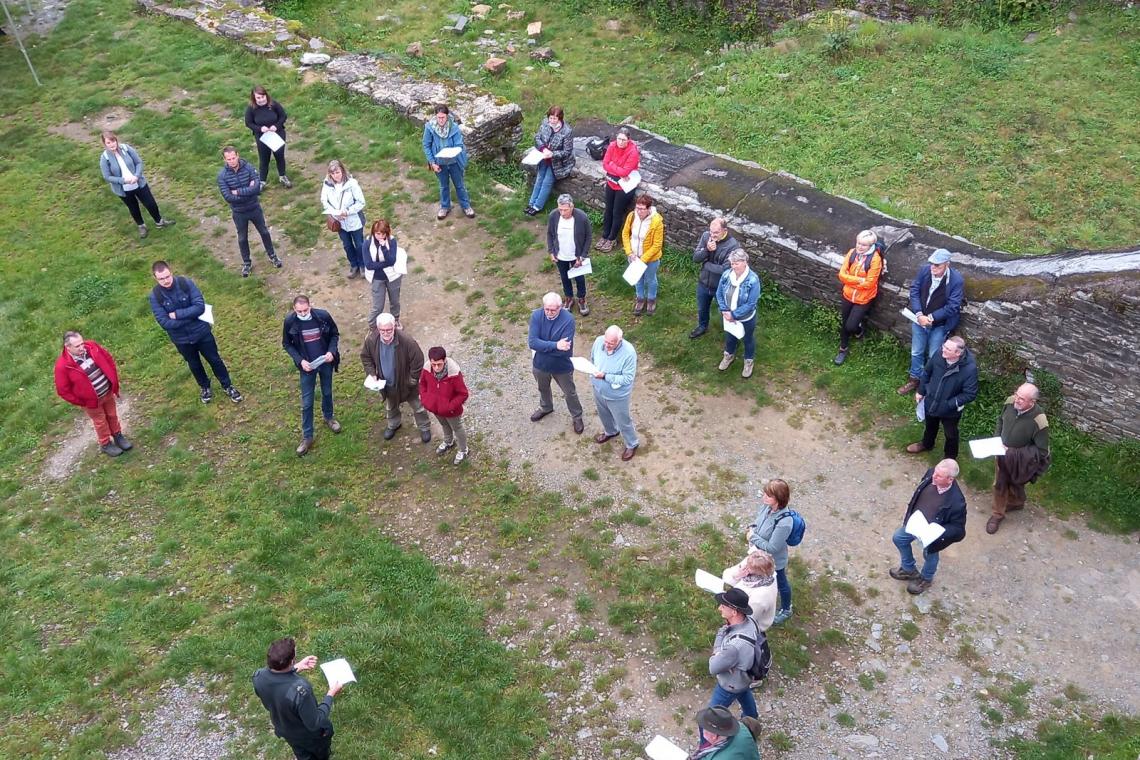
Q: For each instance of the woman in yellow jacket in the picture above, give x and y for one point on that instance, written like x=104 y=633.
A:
x=643 y=237
x=859 y=274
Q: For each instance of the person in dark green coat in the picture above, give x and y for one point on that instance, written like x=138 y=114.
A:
x=723 y=738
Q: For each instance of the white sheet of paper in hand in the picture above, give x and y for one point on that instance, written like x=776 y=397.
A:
x=338 y=671
x=586 y=268
x=449 y=153
x=630 y=182
x=709 y=582
x=920 y=410
x=272 y=140
x=533 y=157
x=987 y=447
x=583 y=364
x=734 y=328
x=373 y=383
x=208 y=315
x=663 y=749
x=635 y=271
x=926 y=532
x=909 y=315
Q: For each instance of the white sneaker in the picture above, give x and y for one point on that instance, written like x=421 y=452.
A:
x=747 y=368
x=727 y=360
x=460 y=456
x=443 y=447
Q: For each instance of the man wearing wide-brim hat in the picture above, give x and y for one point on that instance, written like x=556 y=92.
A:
x=732 y=654
x=723 y=738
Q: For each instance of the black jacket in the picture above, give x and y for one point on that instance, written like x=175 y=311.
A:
x=713 y=264
x=951 y=516
x=297 y=718
x=293 y=344
x=947 y=387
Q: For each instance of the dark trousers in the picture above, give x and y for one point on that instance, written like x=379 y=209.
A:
x=949 y=426
x=705 y=300
x=851 y=317
x=146 y=197
x=241 y=223
x=614 y=217
x=206 y=348
x=263 y=154
x=313 y=751
x=579 y=282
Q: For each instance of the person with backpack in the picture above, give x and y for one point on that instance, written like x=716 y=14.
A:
x=756 y=574
x=178 y=307
x=734 y=653
x=859 y=274
x=776 y=528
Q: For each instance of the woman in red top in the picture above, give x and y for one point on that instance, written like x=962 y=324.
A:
x=622 y=158
x=859 y=274
x=442 y=392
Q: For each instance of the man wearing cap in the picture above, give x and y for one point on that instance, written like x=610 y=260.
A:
x=936 y=297
x=1024 y=431
x=551 y=341
x=722 y=737
x=292 y=706
x=732 y=654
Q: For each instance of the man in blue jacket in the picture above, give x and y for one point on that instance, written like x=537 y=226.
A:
x=440 y=132
x=936 y=297
x=551 y=338
x=949 y=382
x=178 y=306
x=240 y=184
x=942 y=503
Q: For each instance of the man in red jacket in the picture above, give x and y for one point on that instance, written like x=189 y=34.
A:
x=442 y=392
x=85 y=375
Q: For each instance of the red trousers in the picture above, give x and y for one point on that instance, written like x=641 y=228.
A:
x=105 y=418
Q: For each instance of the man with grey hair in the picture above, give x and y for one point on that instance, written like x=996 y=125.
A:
x=568 y=243
x=396 y=360
x=949 y=382
x=551 y=341
x=1024 y=431
x=940 y=501
x=712 y=254
x=936 y=297
x=615 y=360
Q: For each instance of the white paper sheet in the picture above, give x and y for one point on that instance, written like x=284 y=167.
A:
x=926 y=532
x=374 y=383
x=400 y=268
x=635 y=271
x=909 y=315
x=630 y=182
x=338 y=671
x=735 y=329
x=208 y=315
x=272 y=140
x=920 y=410
x=533 y=157
x=586 y=268
x=987 y=447
x=583 y=364
x=314 y=363
x=663 y=749
x=708 y=581
x=449 y=154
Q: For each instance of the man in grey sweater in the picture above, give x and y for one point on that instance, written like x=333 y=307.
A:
x=732 y=654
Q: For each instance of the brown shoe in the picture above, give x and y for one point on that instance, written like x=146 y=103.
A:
x=1014 y=507
x=333 y=425
x=603 y=437
x=627 y=454
x=909 y=386
x=583 y=308
x=918 y=585
x=993 y=525
x=538 y=414
x=916 y=448
x=638 y=307
x=578 y=426
x=651 y=306
x=303 y=449
x=904 y=575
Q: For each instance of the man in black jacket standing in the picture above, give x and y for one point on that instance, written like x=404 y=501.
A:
x=942 y=503
x=240 y=185
x=297 y=718
x=311 y=338
x=712 y=254
x=949 y=382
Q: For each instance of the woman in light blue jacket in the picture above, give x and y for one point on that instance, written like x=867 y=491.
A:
x=442 y=131
x=770 y=533
x=737 y=296
x=123 y=169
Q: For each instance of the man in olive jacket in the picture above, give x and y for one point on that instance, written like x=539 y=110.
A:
x=949 y=382
x=941 y=501
x=292 y=706
x=395 y=358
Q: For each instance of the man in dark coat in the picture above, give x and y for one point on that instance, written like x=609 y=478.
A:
x=949 y=382
x=292 y=706
x=936 y=298
x=712 y=254
x=394 y=357
x=942 y=504
x=311 y=338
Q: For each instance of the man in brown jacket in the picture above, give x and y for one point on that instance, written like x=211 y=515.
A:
x=396 y=361
x=1024 y=431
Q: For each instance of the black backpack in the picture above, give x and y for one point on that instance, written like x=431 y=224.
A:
x=761 y=653
x=597 y=147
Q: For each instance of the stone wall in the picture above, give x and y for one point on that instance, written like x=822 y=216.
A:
x=491 y=126
x=1074 y=314
x=769 y=14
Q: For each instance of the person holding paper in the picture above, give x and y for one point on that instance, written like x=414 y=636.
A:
x=398 y=360
x=756 y=575
x=292 y=706
x=769 y=532
x=712 y=254
x=239 y=185
x=264 y=115
x=86 y=376
x=936 y=297
x=949 y=383
x=622 y=158
x=311 y=338
x=616 y=362
x=551 y=340
x=568 y=243
x=555 y=141
x=721 y=737
x=941 y=502
x=343 y=203
x=1024 y=431
x=178 y=305
x=643 y=237
x=859 y=272
x=732 y=655
x=441 y=132
x=380 y=260
x=443 y=393
x=123 y=169
x=738 y=295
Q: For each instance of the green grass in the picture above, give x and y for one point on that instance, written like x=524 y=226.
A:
x=1112 y=737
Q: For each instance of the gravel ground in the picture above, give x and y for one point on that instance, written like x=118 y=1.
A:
x=184 y=726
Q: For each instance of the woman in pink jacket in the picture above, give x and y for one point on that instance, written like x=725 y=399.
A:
x=621 y=159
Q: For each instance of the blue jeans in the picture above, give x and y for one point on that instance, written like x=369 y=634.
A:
x=925 y=342
x=731 y=341
x=705 y=299
x=308 y=390
x=353 y=243
x=723 y=698
x=784 y=588
x=616 y=418
x=543 y=183
x=903 y=541
x=453 y=172
x=646 y=287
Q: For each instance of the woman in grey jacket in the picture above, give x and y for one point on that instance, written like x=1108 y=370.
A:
x=770 y=533
x=556 y=143
x=123 y=169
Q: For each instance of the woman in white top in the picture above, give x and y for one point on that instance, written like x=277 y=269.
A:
x=123 y=169
x=756 y=576
x=343 y=203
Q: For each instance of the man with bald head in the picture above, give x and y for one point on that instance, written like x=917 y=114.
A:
x=1024 y=431
x=941 y=501
x=616 y=362
x=551 y=341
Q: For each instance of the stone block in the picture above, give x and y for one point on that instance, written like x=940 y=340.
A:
x=613 y=25
x=481 y=11
x=415 y=50
x=542 y=54
x=534 y=29
x=316 y=44
x=315 y=59
x=516 y=15
x=495 y=65
x=460 y=24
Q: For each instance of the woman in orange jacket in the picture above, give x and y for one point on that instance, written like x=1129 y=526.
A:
x=859 y=274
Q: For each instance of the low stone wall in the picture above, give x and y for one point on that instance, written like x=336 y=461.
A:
x=1074 y=314
x=491 y=126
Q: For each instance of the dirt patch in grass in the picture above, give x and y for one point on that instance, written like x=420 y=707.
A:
x=68 y=453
